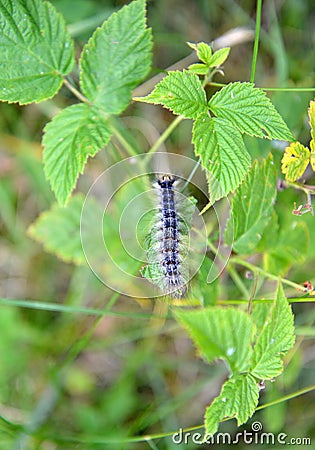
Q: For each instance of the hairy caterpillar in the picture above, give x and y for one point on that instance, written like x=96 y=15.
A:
x=168 y=239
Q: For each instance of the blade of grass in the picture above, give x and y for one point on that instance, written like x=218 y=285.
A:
x=45 y=306
x=256 y=42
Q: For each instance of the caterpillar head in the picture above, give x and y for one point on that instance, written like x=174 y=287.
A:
x=166 y=181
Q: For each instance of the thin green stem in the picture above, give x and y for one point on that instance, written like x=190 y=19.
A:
x=288 y=89
x=213 y=83
x=86 y=440
x=238 y=281
x=164 y=136
x=130 y=150
x=80 y=344
x=265 y=300
x=256 y=43
x=151 y=444
x=46 y=306
x=259 y=408
x=48 y=399
x=234 y=275
x=287 y=397
x=254 y=268
x=271 y=89
x=76 y=92
x=302 y=187
x=253 y=292
x=128 y=147
x=208 y=78
x=192 y=173
x=145 y=438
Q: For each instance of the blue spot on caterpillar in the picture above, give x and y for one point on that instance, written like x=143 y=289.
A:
x=168 y=239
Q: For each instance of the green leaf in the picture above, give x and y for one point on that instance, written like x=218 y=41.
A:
x=252 y=207
x=238 y=398
x=74 y=134
x=260 y=312
x=294 y=161
x=270 y=236
x=291 y=247
x=311 y=117
x=36 y=51
x=117 y=58
x=218 y=57
x=204 y=51
x=220 y=333
x=249 y=110
x=275 y=339
x=181 y=92
x=312 y=156
x=59 y=231
x=198 y=69
x=222 y=152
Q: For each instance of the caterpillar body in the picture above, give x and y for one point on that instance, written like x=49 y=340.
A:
x=167 y=241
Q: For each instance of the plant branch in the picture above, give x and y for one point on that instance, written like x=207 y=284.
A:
x=253 y=292
x=192 y=173
x=164 y=136
x=147 y=437
x=233 y=37
x=232 y=272
x=76 y=92
x=120 y=137
x=288 y=89
x=254 y=268
x=256 y=42
x=302 y=187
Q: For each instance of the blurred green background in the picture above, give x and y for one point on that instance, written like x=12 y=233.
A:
x=73 y=381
